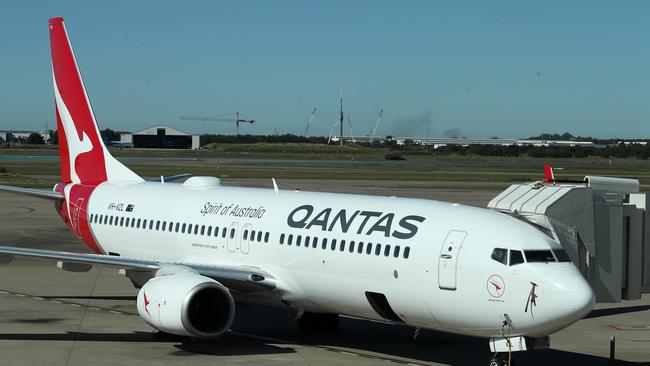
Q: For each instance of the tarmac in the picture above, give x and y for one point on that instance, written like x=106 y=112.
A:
x=53 y=317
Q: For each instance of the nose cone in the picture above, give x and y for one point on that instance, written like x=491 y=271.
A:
x=568 y=297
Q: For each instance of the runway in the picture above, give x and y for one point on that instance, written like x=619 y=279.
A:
x=53 y=317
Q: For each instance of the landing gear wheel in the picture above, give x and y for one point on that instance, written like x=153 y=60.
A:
x=499 y=359
x=318 y=322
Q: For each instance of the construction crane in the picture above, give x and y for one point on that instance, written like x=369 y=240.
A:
x=235 y=119
x=374 y=128
x=341 y=116
x=311 y=119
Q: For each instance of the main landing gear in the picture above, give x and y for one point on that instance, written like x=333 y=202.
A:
x=318 y=322
x=502 y=359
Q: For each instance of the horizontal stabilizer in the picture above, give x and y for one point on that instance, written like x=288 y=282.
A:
x=34 y=192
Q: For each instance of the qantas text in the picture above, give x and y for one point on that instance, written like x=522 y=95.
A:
x=363 y=222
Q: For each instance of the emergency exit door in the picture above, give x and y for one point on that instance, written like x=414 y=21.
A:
x=448 y=260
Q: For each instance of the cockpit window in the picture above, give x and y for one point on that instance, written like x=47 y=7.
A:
x=561 y=255
x=516 y=257
x=500 y=255
x=539 y=256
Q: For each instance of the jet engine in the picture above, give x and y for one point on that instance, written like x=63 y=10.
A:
x=186 y=304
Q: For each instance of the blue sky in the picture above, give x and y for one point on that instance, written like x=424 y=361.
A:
x=481 y=69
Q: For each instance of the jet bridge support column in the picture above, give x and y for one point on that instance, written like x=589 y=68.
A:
x=642 y=202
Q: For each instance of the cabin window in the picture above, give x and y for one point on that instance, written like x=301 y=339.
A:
x=290 y=239
x=298 y=240
x=253 y=235
x=133 y=222
x=150 y=224
x=223 y=232
x=245 y=234
x=232 y=233
x=91 y=218
x=396 y=251
x=176 y=227
x=216 y=231
x=342 y=245
x=407 y=252
x=324 y=243
x=158 y=225
x=386 y=250
x=189 y=228
x=561 y=256
x=202 y=229
x=209 y=231
x=360 y=247
x=543 y=256
x=196 y=229
x=281 y=238
x=314 y=242
x=378 y=249
x=500 y=255
x=333 y=245
x=307 y=241
x=266 y=237
x=183 y=228
x=352 y=246
x=137 y=225
x=516 y=257
x=127 y=222
x=369 y=248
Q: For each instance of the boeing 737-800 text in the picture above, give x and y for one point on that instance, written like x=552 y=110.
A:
x=198 y=248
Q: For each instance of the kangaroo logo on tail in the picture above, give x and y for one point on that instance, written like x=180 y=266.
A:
x=84 y=158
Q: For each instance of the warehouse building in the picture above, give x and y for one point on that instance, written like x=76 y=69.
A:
x=161 y=137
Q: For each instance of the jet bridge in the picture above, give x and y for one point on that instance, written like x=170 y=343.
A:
x=601 y=223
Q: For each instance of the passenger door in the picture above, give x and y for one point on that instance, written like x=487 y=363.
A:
x=448 y=260
x=232 y=237
x=244 y=244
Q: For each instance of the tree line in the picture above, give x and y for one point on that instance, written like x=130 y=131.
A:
x=605 y=148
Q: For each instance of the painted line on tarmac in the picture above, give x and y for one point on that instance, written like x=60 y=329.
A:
x=247 y=335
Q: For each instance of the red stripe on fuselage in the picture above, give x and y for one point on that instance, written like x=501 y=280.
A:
x=74 y=212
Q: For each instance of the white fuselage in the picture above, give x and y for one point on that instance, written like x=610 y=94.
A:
x=439 y=278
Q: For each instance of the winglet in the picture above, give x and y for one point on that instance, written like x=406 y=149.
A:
x=549 y=177
x=275 y=186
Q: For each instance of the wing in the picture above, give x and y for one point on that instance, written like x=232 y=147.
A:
x=42 y=193
x=171 y=178
x=237 y=278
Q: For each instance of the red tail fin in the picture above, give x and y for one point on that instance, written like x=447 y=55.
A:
x=549 y=177
x=84 y=158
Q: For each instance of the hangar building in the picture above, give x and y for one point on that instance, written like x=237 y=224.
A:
x=161 y=137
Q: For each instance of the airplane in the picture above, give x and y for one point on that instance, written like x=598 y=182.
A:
x=196 y=249
x=119 y=144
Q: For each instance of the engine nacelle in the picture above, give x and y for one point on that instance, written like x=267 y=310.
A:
x=186 y=304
